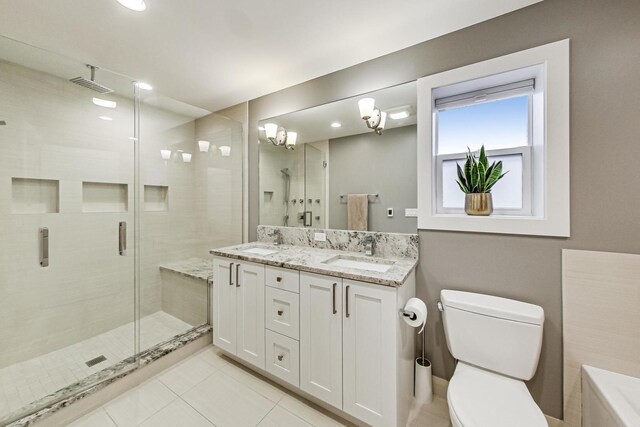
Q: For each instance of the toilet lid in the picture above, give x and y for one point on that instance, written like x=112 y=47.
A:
x=481 y=398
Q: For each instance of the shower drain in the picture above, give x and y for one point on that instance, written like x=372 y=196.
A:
x=96 y=360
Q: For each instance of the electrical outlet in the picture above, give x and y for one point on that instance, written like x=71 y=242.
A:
x=320 y=237
x=411 y=212
x=390 y=212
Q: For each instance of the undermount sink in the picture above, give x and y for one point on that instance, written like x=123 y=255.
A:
x=368 y=264
x=261 y=250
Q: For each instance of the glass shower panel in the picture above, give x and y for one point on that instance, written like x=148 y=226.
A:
x=191 y=179
x=66 y=226
x=316 y=184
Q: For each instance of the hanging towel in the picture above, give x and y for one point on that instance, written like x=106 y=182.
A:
x=358 y=212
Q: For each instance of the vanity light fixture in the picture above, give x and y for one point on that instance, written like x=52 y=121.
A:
x=135 y=5
x=261 y=128
x=204 y=146
x=225 y=150
x=104 y=103
x=336 y=125
x=372 y=115
x=166 y=154
x=290 y=142
x=186 y=157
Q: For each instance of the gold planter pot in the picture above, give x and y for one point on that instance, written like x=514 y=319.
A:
x=478 y=204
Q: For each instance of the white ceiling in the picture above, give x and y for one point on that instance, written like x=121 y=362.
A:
x=214 y=54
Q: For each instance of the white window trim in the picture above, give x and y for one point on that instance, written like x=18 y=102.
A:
x=554 y=218
x=527 y=196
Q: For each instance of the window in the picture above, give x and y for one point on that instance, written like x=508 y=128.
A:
x=502 y=123
x=517 y=106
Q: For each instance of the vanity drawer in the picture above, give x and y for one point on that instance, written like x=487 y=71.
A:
x=282 y=312
x=283 y=278
x=283 y=357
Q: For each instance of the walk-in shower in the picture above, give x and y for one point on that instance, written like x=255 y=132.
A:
x=107 y=214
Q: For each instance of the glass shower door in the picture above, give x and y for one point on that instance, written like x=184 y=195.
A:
x=66 y=226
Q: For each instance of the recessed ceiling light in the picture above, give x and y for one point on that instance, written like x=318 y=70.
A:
x=399 y=115
x=336 y=125
x=104 y=103
x=107 y=118
x=144 y=86
x=137 y=5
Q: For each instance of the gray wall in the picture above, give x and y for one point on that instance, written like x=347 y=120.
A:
x=370 y=163
x=605 y=146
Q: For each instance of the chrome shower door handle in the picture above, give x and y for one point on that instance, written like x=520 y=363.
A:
x=44 y=246
x=122 y=239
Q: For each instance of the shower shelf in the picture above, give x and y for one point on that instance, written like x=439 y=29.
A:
x=100 y=197
x=35 y=196
x=156 y=198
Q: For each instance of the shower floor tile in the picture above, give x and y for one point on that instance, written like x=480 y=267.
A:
x=28 y=381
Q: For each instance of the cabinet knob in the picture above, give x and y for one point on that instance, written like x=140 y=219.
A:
x=278 y=279
x=280 y=312
x=280 y=357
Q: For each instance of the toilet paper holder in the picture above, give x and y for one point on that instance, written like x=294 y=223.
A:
x=408 y=314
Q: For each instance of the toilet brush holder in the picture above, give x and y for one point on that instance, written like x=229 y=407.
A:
x=423 y=388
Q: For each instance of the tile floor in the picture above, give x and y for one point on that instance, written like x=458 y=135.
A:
x=28 y=381
x=208 y=389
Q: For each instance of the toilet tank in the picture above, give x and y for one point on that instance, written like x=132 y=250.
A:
x=498 y=334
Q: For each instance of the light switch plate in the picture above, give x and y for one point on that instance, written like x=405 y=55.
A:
x=320 y=237
x=411 y=212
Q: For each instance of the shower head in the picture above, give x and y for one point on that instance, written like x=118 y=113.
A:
x=285 y=171
x=91 y=84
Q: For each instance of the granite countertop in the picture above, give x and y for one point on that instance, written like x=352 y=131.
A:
x=310 y=259
x=197 y=268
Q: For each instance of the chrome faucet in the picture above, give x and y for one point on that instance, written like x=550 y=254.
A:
x=368 y=245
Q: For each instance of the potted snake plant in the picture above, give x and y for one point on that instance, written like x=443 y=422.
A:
x=476 y=179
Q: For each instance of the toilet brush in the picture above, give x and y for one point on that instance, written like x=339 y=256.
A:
x=423 y=388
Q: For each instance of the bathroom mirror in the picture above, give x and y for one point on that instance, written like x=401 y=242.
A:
x=312 y=160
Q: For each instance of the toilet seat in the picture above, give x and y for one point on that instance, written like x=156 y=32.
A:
x=480 y=398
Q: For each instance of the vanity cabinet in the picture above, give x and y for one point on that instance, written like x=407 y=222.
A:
x=340 y=341
x=238 y=296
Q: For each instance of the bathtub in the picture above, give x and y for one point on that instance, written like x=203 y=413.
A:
x=609 y=399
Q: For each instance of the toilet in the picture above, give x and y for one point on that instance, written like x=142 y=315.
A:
x=497 y=343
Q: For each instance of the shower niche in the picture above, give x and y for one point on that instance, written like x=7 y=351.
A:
x=104 y=197
x=156 y=198
x=35 y=196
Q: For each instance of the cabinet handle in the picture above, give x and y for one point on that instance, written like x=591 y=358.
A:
x=280 y=312
x=231 y=274
x=334 y=298
x=237 y=276
x=280 y=357
x=278 y=279
x=346 y=292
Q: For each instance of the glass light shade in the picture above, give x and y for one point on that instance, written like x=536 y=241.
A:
x=270 y=130
x=104 y=103
x=136 y=5
x=144 y=86
x=366 y=106
x=166 y=154
x=225 y=150
x=204 y=146
x=186 y=157
x=383 y=120
x=292 y=137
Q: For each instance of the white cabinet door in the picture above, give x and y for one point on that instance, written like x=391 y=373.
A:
x=224 y=305
x=321 y=337
x=369 y=385
x=249 y=284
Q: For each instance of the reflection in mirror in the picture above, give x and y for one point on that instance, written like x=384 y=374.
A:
x=341 y=150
